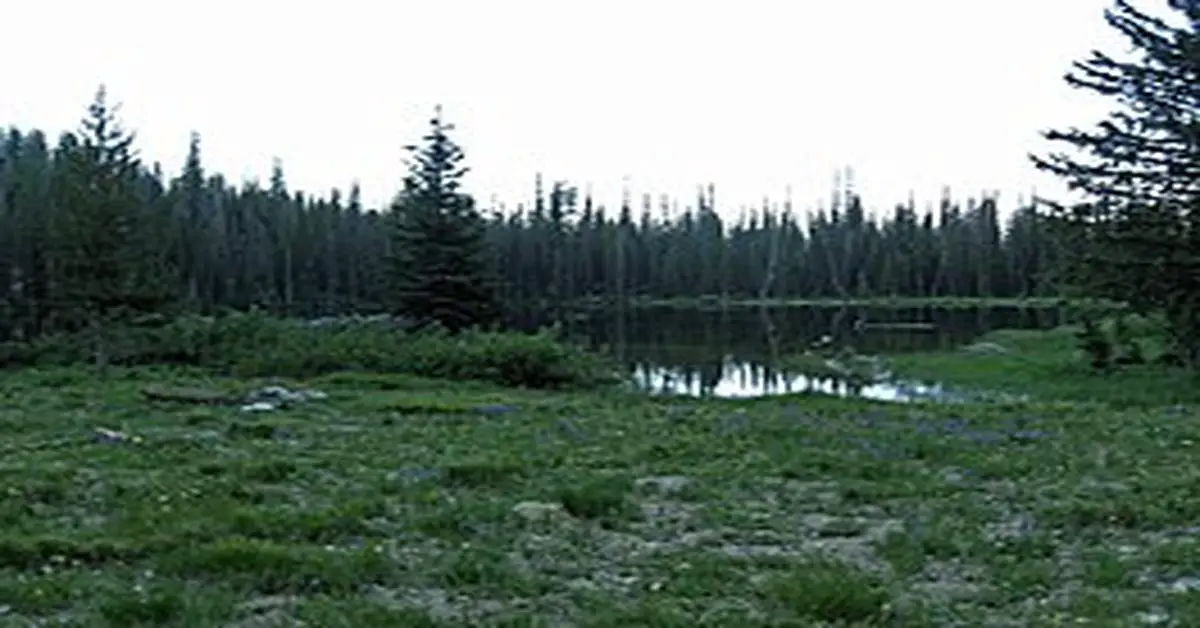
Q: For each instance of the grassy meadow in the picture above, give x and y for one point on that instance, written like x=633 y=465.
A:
x=1048 y=366
x=424 y=491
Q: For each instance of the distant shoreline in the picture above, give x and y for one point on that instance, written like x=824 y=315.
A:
x=716 y=302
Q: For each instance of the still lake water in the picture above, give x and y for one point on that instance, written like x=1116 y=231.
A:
x=731 y=353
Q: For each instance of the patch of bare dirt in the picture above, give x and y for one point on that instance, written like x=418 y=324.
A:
x=949 y=581
x=785 y=519
x=271 y=611
x=441 y=604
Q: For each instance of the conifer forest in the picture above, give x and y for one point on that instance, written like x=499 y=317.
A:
x=202 y=242
x=245 y=404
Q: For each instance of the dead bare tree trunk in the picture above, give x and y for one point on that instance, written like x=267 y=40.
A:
x=764 y=292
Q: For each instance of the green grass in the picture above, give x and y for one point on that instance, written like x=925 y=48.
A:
x=1047 y=365
x=394 y=503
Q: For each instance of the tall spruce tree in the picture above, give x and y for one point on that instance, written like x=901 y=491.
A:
x=189 y=194
x=108 y=267
x=1135 y=237
x=439 y=262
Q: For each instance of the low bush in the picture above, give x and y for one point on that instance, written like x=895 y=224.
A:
x=254 y=344
x=1121 y=339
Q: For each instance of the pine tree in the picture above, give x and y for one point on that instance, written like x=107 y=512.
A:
x=1136 y=237
x=107 y=266
x=439 y=262
x=283 y=236
x=190 y=198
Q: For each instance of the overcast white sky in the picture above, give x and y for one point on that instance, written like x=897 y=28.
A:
x=753 y=95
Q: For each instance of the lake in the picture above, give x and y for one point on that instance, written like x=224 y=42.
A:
x=731 y=352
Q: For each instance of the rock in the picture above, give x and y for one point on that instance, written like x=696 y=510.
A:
x=1152 y=618
x=268 y=603
x=955 y=476
x=264 y=399
x=826 y=526
x=1015 y=528
x=113 y=437
x=271 y=398
x=279 y=393
x=664 y=484
x=540 y=511
x=984 y=348
x=1186 y=584
x=271 y=611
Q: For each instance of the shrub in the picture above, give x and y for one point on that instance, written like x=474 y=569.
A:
x=1095 y=343
x=1125 y=338
x=254 y=344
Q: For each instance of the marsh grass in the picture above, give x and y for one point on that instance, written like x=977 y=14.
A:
x=256 y=345
x=1049 y=366
x=388 y=504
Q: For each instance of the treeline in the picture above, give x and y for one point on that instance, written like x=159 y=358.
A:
x=564 y=244
x=296 y=253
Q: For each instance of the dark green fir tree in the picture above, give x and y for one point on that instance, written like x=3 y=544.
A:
x=189 y=195
x=439 y=262
x=1136 y=235
x=108 y=265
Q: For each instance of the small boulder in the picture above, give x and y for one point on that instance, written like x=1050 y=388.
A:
x=984 y=348
x=113 y=437
x=533 y=512
x=271 y=398
x=666 y=485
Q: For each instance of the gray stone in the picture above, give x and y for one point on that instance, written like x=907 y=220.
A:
x=664 y=484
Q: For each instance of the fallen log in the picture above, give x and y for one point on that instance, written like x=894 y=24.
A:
x=198 y=396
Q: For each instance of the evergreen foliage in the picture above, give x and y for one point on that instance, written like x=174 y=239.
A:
x=313 y=255
x=106 y=267
x=439 y=261
x=253 y=344
x=1136 y=238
